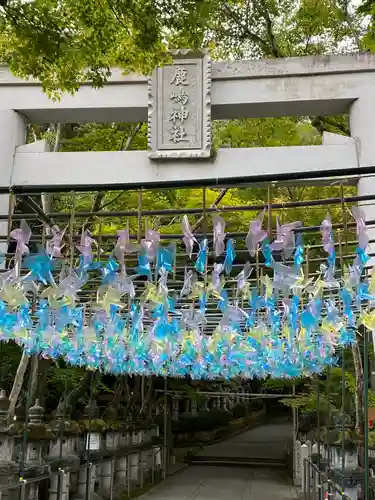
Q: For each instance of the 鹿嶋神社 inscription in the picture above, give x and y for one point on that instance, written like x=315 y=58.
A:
x=179 y=107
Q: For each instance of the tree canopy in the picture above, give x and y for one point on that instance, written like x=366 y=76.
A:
x=63 y=43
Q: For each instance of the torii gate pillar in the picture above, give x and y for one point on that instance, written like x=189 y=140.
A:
x=361 y=113
x=361 y=117
x=12 y=134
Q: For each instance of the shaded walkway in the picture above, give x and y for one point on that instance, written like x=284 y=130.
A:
x=235 y=483
x=268 y=441
x=224 y=483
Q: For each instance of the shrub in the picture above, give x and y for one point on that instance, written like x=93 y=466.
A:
x=240 y=410
x=256 y=404
x=205 y=421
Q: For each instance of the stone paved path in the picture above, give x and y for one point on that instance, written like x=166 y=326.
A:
x=234 y=483
x=223 y=483
x=267 y=441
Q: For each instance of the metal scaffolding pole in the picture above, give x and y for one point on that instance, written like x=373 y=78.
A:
x=165 y=457
x=366 y=495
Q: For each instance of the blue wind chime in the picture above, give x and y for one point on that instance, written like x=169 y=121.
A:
x=282 y=327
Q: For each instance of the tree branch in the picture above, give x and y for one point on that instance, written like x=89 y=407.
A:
x=80 y=389
x=34 y=377
x=246 y=32
x=321 y=123
x=349 y=21
x=97 y=202
x=115 y=402
x=337 y=125
x=275 y=51
x=220 y=196
x=290 y=193
x=17 y=383
x=130 y=138
x=148 y=396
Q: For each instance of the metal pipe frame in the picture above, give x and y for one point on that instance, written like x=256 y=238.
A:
x=38 y=212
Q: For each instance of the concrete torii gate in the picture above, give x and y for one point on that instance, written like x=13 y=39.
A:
x=305 y=86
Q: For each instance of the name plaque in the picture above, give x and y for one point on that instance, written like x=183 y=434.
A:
x=179 y=107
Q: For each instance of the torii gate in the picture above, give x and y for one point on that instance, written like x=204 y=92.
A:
x=302 y=86
x=306 y=86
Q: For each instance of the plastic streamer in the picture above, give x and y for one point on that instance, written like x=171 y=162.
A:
x=282 y=326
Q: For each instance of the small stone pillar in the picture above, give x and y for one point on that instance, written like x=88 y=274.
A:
x=112 y=442
x=304 y=456
x=112 y=435
x=297 y=463
x=135 y=457
x=309 y=447
x=134 y=466
x=146 y=454
x=59 y=480
x=121 y=465
x=107 y=471
x=8 y=468
x=204 y=406
x=62 y=451
x=227 y=404
x=223 y=405
x=187 y=405
x=157 y=457
x=38 y=435
x=175 y=408
x=136 y=436
x=216 y=403
x=194 y=407
x=242 y=395
x=121 y=470
x=85 y=475
x=238 y=397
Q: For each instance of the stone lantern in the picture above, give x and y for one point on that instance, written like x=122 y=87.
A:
x=8 y=468
x=93 y=427
x=38 y=433
x=91 y=446
x=62 y=449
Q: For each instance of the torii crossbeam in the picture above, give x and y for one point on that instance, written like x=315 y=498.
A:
x=296 y=86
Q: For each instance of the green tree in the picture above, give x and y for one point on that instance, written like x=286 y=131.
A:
x=367 y=8
x=65 y=42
